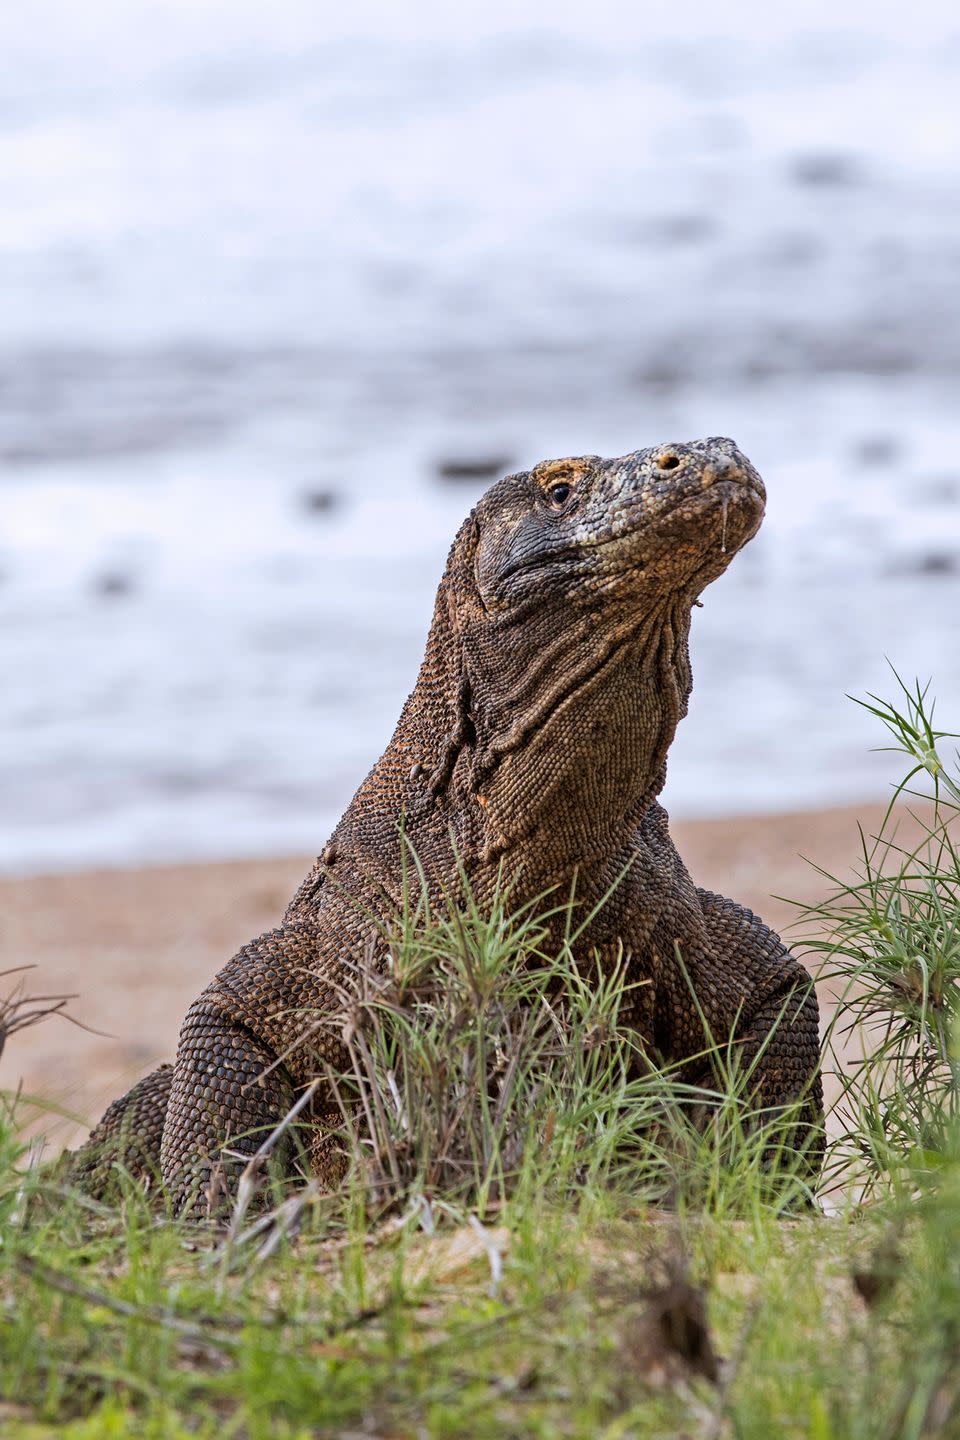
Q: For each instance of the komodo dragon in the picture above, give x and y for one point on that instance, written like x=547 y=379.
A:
x=556 y=670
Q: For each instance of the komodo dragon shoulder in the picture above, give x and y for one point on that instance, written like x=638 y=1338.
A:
x=534 y=742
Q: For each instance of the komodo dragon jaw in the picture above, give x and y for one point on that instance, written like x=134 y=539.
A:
x=531 y=750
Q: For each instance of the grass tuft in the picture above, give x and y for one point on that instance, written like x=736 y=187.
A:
x=888 y=944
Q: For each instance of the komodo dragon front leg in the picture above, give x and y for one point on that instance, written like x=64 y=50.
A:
x=247 y=1047
x=241 y=1060
x=760 y=1007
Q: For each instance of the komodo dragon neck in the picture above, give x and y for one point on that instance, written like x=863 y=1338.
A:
x=555 y=771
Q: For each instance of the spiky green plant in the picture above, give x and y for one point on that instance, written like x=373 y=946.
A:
x=888 y=942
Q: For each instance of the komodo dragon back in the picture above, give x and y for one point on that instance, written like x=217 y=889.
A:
x=534 y=743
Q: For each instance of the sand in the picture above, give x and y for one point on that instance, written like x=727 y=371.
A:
x=136 y=946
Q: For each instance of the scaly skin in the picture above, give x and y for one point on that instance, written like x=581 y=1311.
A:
x=556 y=672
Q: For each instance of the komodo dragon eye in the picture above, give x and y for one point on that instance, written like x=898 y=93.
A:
x=559 y=493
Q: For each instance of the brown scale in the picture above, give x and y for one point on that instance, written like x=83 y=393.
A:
x=556 y=672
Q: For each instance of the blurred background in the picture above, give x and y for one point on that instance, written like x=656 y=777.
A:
x=282 y=288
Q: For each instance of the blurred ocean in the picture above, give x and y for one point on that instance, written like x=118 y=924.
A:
x=269 y=274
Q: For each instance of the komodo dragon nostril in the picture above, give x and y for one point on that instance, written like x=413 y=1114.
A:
x=724 y=467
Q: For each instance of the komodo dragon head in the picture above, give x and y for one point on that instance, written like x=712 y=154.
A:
x=557 y=667
x=632 y=533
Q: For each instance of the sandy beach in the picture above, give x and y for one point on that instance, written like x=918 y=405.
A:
x=136 y=946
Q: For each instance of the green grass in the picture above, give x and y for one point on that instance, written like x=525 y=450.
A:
x=556 y=1247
